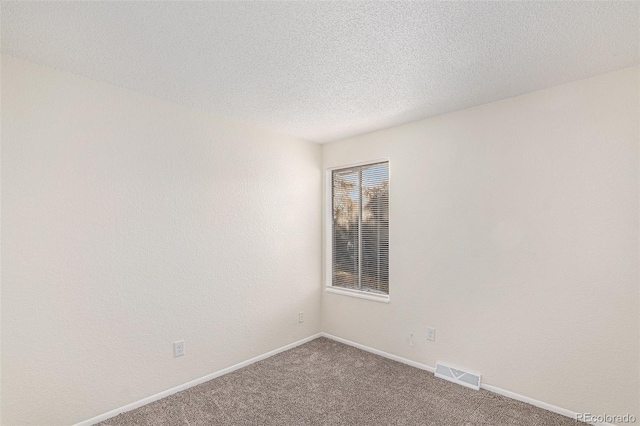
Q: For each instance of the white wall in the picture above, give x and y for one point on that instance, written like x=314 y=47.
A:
x=129 y=223
x=514 y=232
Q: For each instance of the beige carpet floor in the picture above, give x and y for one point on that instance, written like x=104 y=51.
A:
x=327 y=383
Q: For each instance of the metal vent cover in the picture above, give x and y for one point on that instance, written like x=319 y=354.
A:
x=458 y=375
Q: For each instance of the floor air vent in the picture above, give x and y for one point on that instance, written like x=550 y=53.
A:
x=456 y=375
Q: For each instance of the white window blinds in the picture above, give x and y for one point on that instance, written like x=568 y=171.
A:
x=360 y=228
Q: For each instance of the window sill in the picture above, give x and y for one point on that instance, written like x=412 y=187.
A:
x=384 y=298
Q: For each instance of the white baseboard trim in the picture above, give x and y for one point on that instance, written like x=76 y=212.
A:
x=192 y=383
x=528 y=400
x=490 y=388
x=235 y=367
x=378 y=352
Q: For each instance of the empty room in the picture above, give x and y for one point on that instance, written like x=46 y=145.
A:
x=352 y=213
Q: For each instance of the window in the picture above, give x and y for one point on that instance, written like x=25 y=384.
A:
x=360 y=228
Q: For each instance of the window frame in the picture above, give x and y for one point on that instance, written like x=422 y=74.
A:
x=328 y=211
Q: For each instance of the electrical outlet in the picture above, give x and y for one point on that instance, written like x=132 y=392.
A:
x=300 y=316
x=178 y=348
x=431 y=334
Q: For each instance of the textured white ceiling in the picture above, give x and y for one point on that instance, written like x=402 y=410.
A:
x=322 y=71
